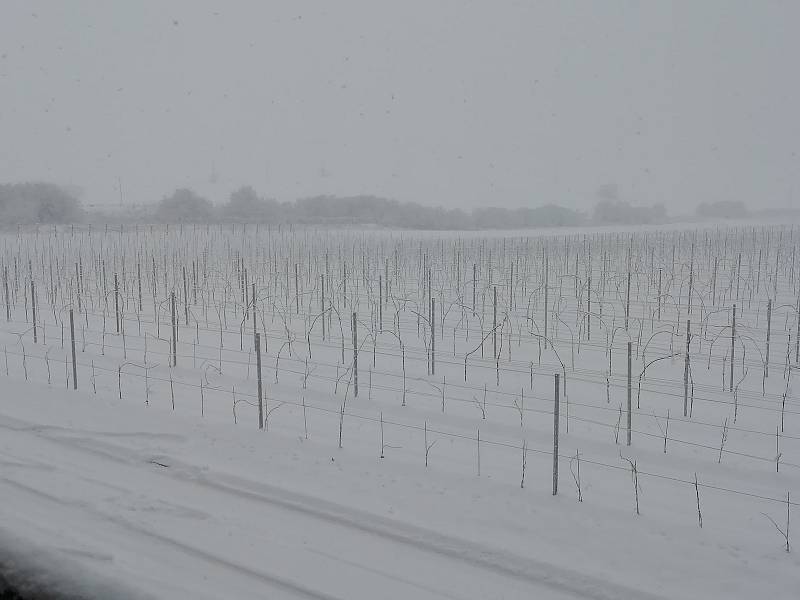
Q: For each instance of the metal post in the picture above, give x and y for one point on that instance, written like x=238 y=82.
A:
x=686 y=372
x=116 y=301
x=714 y=283
x=691 y=282
x=659 y=295
x=494 y=323
x=630 y=410
x=355 y=357
x=78 y=287
x=546 y=298
x=174 y=332
x=433 y=336
x=797 y=334
x=511 y=285
x=254 y=308
x=474 y=285
x=733 y=345
x=185 y=297
x=769 y=327
x=589 y=304
x=139 y=282
x=628 y=294
x=33 y=307
x=257 y=342
x=8 y=298
x=74 y=361
x=555 y=437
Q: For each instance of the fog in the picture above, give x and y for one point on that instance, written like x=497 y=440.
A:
x=452 y=104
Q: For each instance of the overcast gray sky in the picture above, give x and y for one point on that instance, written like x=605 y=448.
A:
x=443 y=103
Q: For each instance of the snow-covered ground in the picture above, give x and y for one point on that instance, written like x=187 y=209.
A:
x=153 y=480
x=170 y=505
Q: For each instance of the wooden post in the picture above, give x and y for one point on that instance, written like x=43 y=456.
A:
x=630 y=410
x=257 y=342
x=555 y=437
x=686 y=372
x=74 y=361
x=380 y=302
x=355 y=356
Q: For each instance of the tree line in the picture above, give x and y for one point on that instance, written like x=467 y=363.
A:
x=40 y=202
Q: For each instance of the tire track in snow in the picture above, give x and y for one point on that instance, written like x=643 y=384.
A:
x=281 y=583
x=494 y=560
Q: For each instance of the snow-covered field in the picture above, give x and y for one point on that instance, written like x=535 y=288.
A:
x=153 y=479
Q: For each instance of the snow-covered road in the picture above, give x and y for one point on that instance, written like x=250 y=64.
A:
x=102 y=495
x=122 y=503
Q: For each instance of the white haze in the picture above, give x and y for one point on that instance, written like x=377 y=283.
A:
x=442 y=103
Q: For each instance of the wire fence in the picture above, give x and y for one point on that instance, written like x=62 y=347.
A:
x=342 y=411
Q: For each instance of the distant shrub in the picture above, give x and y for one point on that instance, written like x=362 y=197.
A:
x=724 y=209
x=184 y=206
x=37 y=202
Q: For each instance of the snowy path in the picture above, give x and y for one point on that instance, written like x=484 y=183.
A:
x=122 y=504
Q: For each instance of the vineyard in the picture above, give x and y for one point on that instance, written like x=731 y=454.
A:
x=645 y=375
